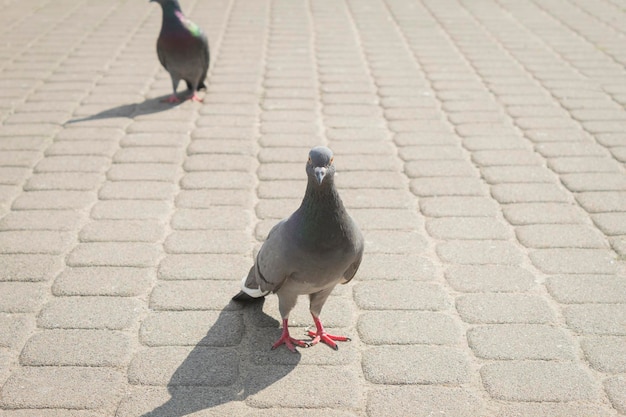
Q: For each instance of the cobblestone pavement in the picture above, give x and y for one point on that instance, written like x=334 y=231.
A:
x=480 y=144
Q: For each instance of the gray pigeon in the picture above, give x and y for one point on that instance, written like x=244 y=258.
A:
x=314 y=249
x=183 y=50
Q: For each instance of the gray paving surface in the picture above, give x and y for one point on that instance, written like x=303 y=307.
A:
x=480 y=145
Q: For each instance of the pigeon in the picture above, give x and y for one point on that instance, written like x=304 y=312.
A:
x=308 y=253
x=183 y=50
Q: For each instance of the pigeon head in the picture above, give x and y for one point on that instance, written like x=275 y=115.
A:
x=320 y=165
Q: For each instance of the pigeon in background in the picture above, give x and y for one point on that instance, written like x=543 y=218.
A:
x=183 y=50
x=314 y=249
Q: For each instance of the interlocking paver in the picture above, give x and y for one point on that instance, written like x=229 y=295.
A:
x=62 y=387
x=76 y=348
x=406 y=365
x=538 y=381
x=521 y=341
x=479 y=145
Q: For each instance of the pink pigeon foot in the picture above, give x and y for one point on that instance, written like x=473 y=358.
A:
x=287 y=340
x=321 y=335
x=171 y=99
x=194 y=97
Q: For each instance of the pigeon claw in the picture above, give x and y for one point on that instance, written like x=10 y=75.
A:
x=289 y=342
x=171 y=99
x=195 y=97
x=328 y=339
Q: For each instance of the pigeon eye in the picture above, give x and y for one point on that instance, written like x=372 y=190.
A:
x=309 y=161
x=331 y=160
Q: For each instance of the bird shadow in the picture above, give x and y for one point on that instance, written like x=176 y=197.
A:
x=212 y=376
x=148 y=106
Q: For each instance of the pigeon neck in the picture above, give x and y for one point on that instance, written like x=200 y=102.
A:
x=172 y=14
x=322 y=212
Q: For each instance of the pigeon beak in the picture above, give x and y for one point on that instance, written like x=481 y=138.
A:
x=320 y=173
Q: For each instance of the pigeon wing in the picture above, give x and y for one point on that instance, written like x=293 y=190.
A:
x=271 y=262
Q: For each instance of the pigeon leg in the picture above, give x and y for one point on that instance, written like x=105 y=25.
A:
x=321 y=335
x=287 y=340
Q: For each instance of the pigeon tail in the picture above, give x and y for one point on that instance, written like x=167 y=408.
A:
x=249 y=294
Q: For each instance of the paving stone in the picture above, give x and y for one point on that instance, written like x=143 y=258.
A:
x=14 y=329
x=224 y=217
x=23 y=242
x=522 y=157
x=192 y=295
x=153 y=154
x=143 y=172
x=578 y=288
x=174 y=365
x=580 y=182
x=136 y=190
x=467 y=228
x=538 y=381
x=81 y=148
x=458 y=207
x=192 y=328
x=602 y=319
x=276 y=386
x=529 y=193
x=182 y=400
x=72 y=164
x=438 y=168
x=577 y=164
x=20 y=297
x=130 y=210
x=385 y=219
x=424 y=401
x=60 y=220
x=388 y=241
x=62 y=387
x=76 y=348
x=521 y=174
x=109 y=281
x=602 y=201
x=489 y=278
x=479 y=252
x=200 y=199
x=70 y=181
x=560 y=236
x=570 y=409
x=404 y=327
x=615 y=388
x=212 y=241
x=396 y=267
x=32 y=268
x=504 y=308
x=521 y=341
x=54 y=200
x=611 y=223
x=114 y=254
x=394 y=295
x=578 y=261
x=544 y=213
x=401 y=365
x=204 y=266
x=605 y=354
x=122 y=231
x=447 y=186
x=114 y=313
x=231 y=180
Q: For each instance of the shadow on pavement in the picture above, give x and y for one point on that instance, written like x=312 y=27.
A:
x=213 y=376
x=150 y=106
